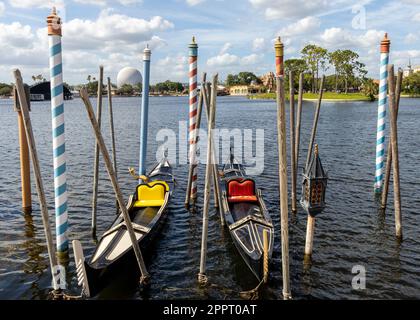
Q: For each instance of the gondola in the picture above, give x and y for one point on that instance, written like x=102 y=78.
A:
x=246 y=215
x=114 y=252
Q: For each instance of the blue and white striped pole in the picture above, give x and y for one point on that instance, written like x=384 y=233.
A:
x=59 y=145
x=144 y=111
x=380 y=134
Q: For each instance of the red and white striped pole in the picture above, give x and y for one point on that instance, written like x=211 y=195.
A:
x=193 y=52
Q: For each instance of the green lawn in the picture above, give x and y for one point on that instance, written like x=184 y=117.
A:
x=326 y=96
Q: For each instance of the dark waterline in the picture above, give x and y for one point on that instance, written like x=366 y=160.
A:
x=349 y=232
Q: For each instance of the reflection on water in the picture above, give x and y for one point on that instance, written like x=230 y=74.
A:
x=349 y=232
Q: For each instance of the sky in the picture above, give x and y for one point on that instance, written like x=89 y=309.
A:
x=232 y=35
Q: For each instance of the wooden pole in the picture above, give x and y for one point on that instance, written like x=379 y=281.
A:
x=266 y=248
x=25 y=167
x=96 y=163
x=298 y=119
x=111 y=172
x=315 y=124
x=216 y=190
x=284 y=214
x=394 y=146
x=111 y=126
x=384 y=198
x=213 y=103
x=202 y=279
x=292 y=139
x=198 y=124
x=310 y=230
x=38 y=177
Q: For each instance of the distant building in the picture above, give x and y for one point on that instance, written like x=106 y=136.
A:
x=409 y=70
x=42 y=91
x=244 y=90
x=269 y=81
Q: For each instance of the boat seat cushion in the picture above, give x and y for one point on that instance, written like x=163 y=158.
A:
x=241 y=191
x=151 y=194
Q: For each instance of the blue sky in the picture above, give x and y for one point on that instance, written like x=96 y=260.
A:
x=232 y=35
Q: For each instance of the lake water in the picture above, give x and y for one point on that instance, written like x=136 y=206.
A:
x=349 y=232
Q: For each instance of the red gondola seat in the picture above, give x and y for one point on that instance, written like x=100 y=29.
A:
x=241 y=191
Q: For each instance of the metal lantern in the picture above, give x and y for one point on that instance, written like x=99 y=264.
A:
x=314 y=186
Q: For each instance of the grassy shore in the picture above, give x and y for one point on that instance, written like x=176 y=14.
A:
x=314 y=96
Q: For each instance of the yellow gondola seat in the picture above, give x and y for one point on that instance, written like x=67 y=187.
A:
x=151 y=194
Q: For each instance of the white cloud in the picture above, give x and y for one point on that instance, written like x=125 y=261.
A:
x=334 y=38
x=225 y=59
x=2 y=8
x=416 y=17
x=301 y=26
x=225 y=48
x=258 y=44
x=171 y=67
x=105 y=2
x=277 y=9
x=411 y=38
x=110 y=31
x=251 y=59
x=194 y=2
x=36 y=3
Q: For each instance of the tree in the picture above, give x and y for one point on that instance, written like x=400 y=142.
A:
x=232 y=80
x=126 y=89
x=315 y=58
x=5 y=89
x=351 y=68
x=411 y=84
x=89 y=77
x=370 y=89
x=295 y=65
x=335 y=59
x=246 y=78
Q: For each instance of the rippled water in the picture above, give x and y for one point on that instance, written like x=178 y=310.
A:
x=349 y=232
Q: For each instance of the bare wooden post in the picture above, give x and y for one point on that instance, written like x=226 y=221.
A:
x=25 y=168
x=310 y=230
x=111 y=172
x=394 y=146
x=111 y=126
x=207 y=92
x=202 y=279
x=298 y=119
x=38 y=177
x=96 y=164
x=284 y=214
x=292 y=139
x=315 y=124
x=198 y=124
x=384 y=198
x=266 y=248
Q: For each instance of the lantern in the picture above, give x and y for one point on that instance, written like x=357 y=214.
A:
x=314 y=186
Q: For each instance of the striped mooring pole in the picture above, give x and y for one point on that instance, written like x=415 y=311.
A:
x=59 y=145
x=144 y=114
x=193 y=52
x=380 y=133
x=279 y=49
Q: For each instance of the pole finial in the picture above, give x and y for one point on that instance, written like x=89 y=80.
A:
x=54 y=23
x=193 y=39
x=385 y=43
